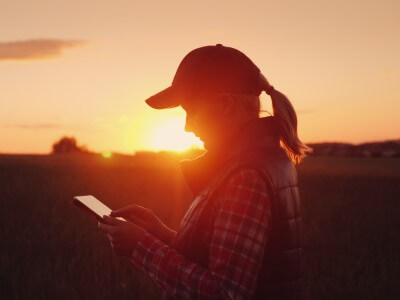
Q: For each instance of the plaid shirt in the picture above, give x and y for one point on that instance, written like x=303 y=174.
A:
x=238 y=241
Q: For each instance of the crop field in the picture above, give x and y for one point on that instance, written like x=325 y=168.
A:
x=52 y=250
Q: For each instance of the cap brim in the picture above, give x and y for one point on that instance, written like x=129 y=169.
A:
x=167 y=98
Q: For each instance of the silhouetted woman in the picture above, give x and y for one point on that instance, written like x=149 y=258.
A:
x=240 y=238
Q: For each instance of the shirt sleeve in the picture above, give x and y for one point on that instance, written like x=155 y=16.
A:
x=236 y=251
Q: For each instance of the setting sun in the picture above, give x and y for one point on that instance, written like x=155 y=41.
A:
x=171 y=135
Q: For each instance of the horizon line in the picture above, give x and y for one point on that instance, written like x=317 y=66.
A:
x=194 y=147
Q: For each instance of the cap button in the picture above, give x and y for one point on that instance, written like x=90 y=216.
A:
x=219 y=45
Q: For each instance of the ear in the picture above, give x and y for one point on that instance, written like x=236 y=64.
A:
x=226 y=104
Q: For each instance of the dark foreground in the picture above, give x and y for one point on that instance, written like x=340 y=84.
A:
x=50 y=249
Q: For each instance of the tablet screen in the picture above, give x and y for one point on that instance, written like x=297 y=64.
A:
x=94 y=205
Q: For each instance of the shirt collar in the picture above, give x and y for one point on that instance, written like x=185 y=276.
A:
x=257 y=133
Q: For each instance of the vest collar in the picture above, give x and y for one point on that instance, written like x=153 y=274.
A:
x=258 y=133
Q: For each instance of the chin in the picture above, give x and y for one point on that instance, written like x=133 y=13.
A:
x=205 y=144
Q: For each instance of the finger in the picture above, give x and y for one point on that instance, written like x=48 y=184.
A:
x=107 y=228
x=117 y=244
x=131 y=209
x=114 y=222
x=138 y=221
x=112 y=238
x=123 y=211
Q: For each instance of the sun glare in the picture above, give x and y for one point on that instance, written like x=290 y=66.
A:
x=172 y=136
x=106 y=154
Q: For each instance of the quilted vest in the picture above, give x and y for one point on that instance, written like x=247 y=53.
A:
x=256 y=147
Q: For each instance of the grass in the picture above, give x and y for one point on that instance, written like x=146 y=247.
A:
x=50 y=249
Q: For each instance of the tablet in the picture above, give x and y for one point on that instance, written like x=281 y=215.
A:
x=93 y=206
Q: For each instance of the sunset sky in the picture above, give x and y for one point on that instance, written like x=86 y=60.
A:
x=84 y=68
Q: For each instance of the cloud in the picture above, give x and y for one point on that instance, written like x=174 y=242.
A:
x=49 y=126
x=35 y=49
x=35 y=126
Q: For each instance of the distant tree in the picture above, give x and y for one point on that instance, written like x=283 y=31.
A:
x=67 y=145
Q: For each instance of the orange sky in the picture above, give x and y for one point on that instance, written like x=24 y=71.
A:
x=338 y=62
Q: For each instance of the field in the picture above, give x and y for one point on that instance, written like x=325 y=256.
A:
x=51 y=250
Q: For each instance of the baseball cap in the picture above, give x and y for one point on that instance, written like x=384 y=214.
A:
x=209 y=69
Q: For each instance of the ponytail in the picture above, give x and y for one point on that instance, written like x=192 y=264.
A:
x=286 y=119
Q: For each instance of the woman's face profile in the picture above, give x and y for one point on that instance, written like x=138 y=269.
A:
x=202 y=119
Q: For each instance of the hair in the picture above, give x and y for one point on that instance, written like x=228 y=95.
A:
x=285 y=116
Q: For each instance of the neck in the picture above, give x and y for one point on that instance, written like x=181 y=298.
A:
x=226 y=135
x=257 y=134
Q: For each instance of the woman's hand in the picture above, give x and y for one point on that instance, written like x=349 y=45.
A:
x=123 y=235
x=146 y=219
